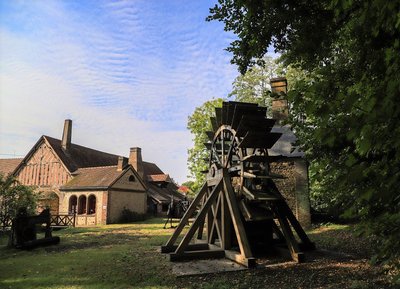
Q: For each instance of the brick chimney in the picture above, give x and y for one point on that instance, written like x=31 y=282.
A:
x=122 y=163
x=135 y=159
x=280 y=109
x=67 y=133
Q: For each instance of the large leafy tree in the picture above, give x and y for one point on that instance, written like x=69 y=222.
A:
x=349 y=53
x=198 y=123
x=13 y=196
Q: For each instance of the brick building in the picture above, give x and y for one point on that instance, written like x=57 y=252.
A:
x=94 y=184
x=291 y=162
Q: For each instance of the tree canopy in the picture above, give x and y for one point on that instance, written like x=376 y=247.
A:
x=198 y=123
x=348 y=95
x=13 y=196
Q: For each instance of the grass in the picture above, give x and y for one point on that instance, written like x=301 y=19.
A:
x=126 y=256
x=112 y=256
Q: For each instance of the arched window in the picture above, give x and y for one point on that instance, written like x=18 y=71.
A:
x=92 y=204
x=131 y=178
x=73 y=201
x=82 y=205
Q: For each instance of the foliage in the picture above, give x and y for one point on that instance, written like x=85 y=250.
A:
x=348 y=96
x=128 y=216
x=189 y=185
x=254 y=85
x=198 y=123
x=13 y=196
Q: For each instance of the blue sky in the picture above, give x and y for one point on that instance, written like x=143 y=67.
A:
x=128 y=73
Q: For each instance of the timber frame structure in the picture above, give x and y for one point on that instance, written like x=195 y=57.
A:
x=240 y=211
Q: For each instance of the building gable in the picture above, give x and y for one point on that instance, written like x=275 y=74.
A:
x=42 y=167
x=129 y=180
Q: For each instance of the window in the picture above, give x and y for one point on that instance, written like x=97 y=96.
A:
x=131 y=178
x=82 y=205
x=92 y=204
x=73 y=200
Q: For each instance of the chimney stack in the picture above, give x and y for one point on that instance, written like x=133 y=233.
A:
x=122 y=163
x=280 y=108
x=135 y=159
x=67 y=133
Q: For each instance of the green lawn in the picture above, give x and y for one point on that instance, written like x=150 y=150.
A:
x=112 y=256
x=127 y=256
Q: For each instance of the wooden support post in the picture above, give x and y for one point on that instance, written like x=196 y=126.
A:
x=195 y=225
x=226 y=223
x=306 y=242
x=186 y=216
x=235 y=215
x=290 y=239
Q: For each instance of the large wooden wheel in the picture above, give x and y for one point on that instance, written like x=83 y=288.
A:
x=241 y=211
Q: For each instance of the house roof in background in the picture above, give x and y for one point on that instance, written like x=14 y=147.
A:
x=8 y=166
x=163 y=194
x=93 y=177
x=159 y=178
x=77 y=156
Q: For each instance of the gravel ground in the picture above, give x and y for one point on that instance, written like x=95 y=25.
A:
x=341 y=261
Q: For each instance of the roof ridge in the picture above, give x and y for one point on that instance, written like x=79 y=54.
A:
x=46 y=136
x=113 y=166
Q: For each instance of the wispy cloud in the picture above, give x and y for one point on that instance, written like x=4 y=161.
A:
x=127 y=72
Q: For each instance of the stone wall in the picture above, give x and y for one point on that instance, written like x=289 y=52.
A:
x=294 y=187
x=118 y=200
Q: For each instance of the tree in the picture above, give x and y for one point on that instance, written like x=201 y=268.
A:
x=348 y=51
x=13 y=196
x=254 y=85
x=198 y=123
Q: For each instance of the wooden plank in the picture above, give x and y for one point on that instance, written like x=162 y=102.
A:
x=307 y=244
x=254 y=123
x=200 y=217
x=226 y=223
x=259 y=140
x=289 y=237
x=187 y=215
x=190 y=247
x=208 y=145
x=210 y=135
x=224 y=113
x=236 y=218
x=249 y=262
x=214 y=123
x=201 y=254
x=218 y=116
x=216 y=222
x=240 y=110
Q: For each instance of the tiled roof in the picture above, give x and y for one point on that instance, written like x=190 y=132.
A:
x=151 y=169
x=162 y=194
x=159 y=178
x=81 y=157
x=9 y=165
x=93 y=177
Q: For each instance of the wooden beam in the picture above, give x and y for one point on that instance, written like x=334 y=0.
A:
x=226 y=223
x=200 y=217
x=186 y=216
x=307 y=244
x=202 y=254
x=190 y=247
x=289 y=237
x=236 y=218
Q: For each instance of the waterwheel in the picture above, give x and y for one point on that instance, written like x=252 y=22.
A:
x=241 y=212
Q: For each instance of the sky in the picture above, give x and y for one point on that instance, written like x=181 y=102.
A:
x=128 y=74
